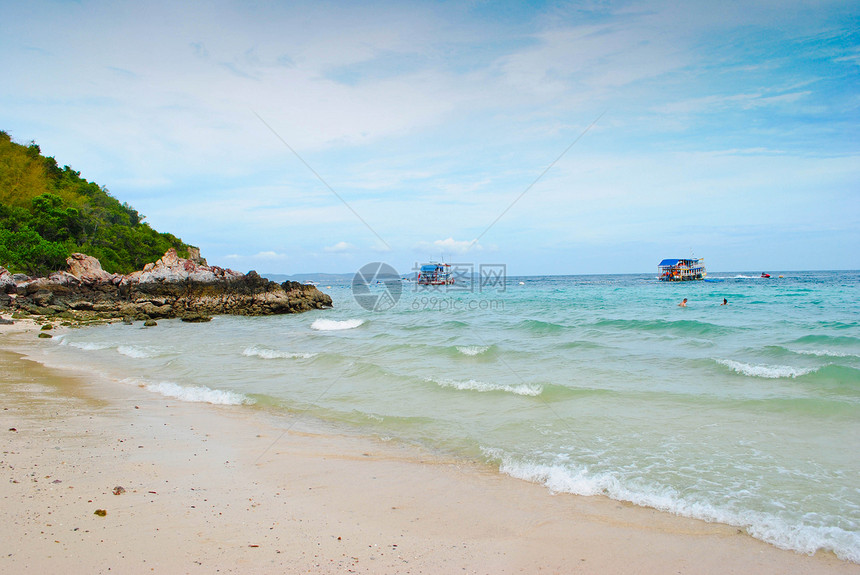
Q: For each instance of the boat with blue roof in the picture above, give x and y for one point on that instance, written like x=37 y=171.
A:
x=681 y=270
x=435 y=274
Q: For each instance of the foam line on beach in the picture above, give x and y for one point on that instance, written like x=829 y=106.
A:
x=198 y=393
x=562 y=478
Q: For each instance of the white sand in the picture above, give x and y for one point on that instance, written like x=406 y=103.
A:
x=233 y=490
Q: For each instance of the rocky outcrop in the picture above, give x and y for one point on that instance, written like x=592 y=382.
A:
x=88 y=269
x=171 y=287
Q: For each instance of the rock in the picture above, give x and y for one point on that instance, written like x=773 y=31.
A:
x=7 y=281
x=87 y=269
x=196 y=318
x=43 y=297
x=100 y=512
x=44 y=335
x=118 y=490
x=150 y=323
x=194 y=256
x=47 y=326
x=169 y=288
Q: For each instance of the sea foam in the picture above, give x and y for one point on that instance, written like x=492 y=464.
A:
x=472 y=350
x=767 y=371
x=266 y=353
x=822 y=353
x=335 y=325
x=199 y=394
x=528 y=389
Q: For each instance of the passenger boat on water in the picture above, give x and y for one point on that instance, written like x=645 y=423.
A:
x=435 y=274
x=681 y=270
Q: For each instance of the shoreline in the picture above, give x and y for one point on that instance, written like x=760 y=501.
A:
x=211 y=488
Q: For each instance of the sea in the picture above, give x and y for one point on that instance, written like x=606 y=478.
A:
x=746 y=414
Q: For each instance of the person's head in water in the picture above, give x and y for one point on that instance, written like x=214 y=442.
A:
x=725 y=302
x=683 y=303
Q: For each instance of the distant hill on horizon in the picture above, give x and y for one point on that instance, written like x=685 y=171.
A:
x=311 y=277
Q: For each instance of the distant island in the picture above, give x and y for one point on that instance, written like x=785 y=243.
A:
x=71 y=251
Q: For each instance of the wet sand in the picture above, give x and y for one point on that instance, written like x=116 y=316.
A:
x=224 y=489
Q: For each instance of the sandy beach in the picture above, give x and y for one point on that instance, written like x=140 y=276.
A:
x=101 y=476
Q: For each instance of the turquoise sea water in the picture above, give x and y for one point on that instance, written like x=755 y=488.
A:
x=746 y=414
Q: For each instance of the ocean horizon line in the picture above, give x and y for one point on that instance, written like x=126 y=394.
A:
x=348 y=275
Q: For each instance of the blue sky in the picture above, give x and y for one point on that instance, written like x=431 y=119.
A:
x=729 y=129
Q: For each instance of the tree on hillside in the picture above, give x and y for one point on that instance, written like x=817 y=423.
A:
x=48 y=212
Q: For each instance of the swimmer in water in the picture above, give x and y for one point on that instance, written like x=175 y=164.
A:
x=683 y=303
x=725 y=302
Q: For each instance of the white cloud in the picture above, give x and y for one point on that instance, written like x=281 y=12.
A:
x=340 y=247
x=451 y=246
x=269 y=255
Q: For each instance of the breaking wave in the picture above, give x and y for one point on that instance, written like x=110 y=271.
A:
x=266 y=353
x=527 y=389
x=136 y=352
x=87 y=345
x=472 y=350
x=768 y=527
x=335 y=325
x=766 y=371
x=198 y=394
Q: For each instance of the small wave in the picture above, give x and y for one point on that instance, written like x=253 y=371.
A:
x=472 y=350
x=87 y=345
x=335 y=325
x=821 y=352
x=265 y=353
x=136 y=352
x=581 y=344
x=837 y=340
x=838 y=324
x=778 y=351
x=537 y=326
x=766 y=371
x=837 y=375
x=681 y=327
x=528 y=389
x=199 y=394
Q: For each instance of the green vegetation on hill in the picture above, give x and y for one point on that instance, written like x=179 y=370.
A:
x=48 y=213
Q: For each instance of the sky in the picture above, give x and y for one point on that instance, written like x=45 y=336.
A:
x=549 y=137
